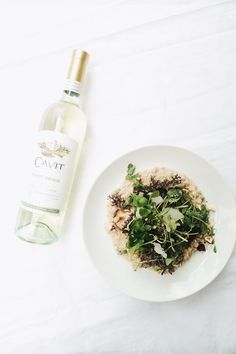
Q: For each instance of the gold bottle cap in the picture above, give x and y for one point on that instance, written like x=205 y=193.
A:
x=78 y=65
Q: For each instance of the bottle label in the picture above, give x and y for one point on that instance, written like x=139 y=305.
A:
x=52 y=168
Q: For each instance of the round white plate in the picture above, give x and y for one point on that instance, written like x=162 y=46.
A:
x=196 y=273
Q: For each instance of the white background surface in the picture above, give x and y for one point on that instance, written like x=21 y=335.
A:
x=160 y=72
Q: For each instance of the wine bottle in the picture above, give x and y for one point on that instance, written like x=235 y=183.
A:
x=55 y=154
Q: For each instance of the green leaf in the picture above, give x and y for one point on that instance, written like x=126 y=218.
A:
x=174 y=195
x=130 y=177
x=130 y=173
x=148 y=227
x=155 y=194
x=204 y=212
x=138 y=200
x=144 y=212
x=136 y=247
x=137 y=184
x=168 y=261
x=215 y=249
x=131 y=169
x=134 y=200
x=138 y=226
x=142 y=201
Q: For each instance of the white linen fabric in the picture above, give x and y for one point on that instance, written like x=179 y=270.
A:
x=161 y=72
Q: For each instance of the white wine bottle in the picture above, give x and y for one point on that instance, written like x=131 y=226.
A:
x=55 y=154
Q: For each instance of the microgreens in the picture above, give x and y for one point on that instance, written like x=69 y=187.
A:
x=164 y=221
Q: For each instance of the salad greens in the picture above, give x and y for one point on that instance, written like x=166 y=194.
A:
x=163 y=221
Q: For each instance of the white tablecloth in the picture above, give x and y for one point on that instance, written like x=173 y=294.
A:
x=161 y=72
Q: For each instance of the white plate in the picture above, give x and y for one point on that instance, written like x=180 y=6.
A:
x=196 y=273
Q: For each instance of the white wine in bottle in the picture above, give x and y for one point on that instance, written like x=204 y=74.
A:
x=55 y=154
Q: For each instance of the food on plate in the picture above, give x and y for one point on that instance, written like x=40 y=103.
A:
x=158 y=218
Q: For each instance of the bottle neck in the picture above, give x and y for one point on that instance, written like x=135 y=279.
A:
x=72 y=92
